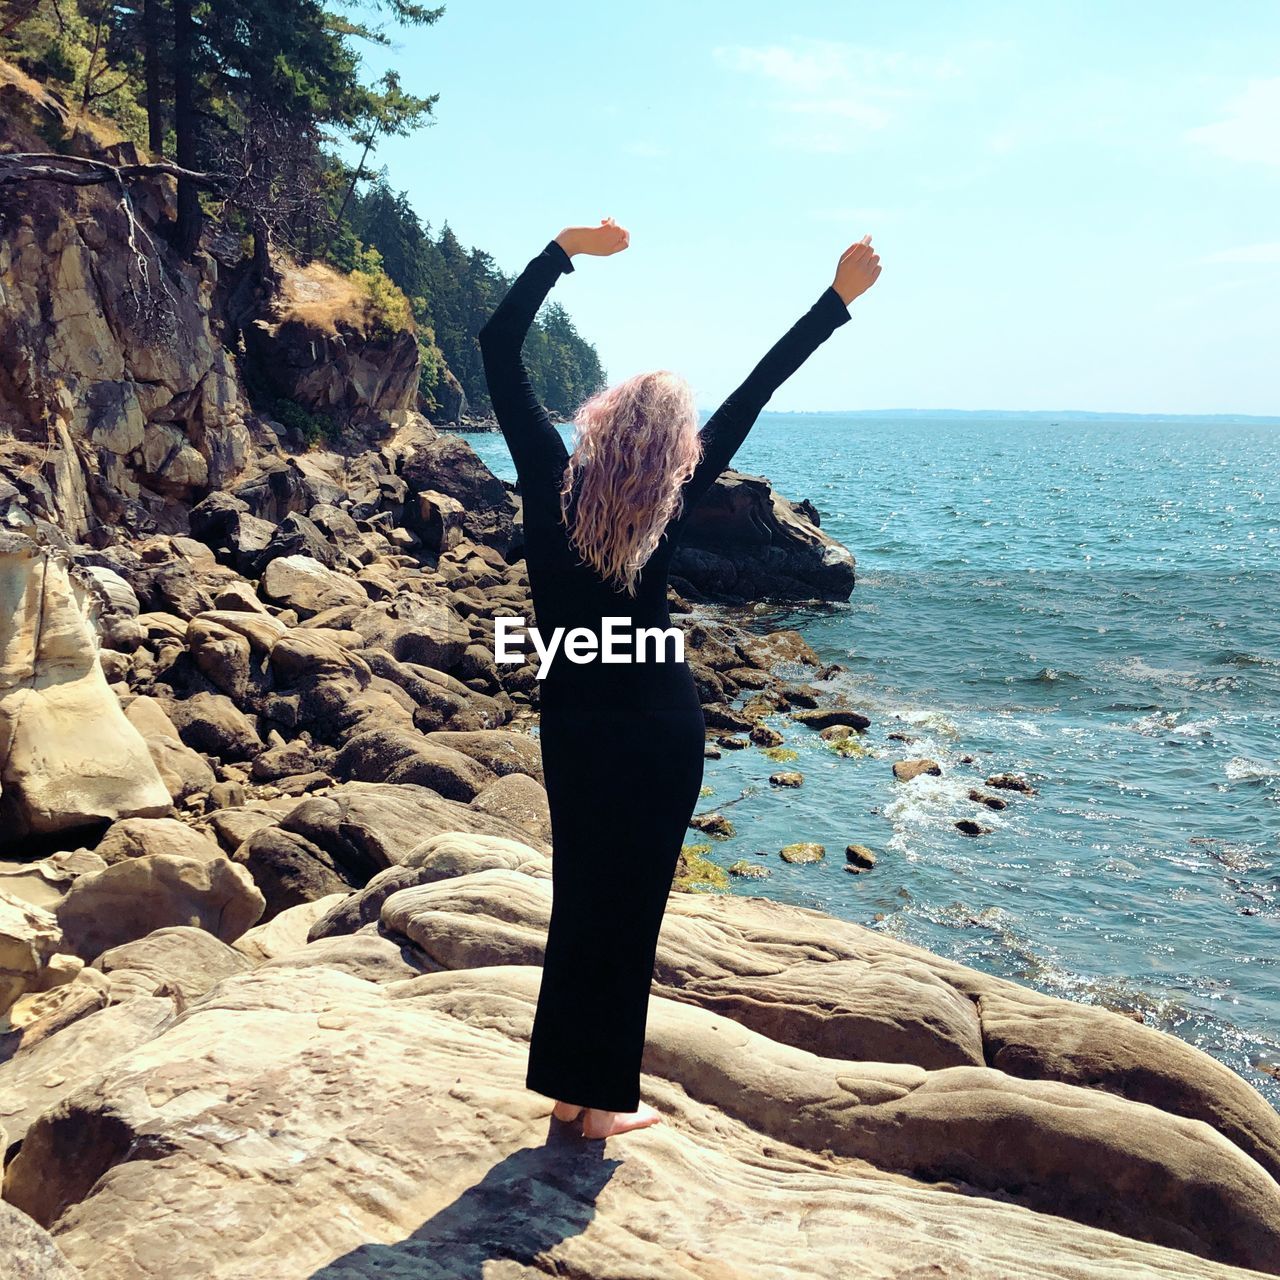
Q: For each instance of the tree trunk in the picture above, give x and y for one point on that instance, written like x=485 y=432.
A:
x=151 y=66
x=351 y=188
x=186 y=235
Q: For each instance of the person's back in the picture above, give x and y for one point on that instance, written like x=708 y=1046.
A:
x=622 y=741
x=569 y=594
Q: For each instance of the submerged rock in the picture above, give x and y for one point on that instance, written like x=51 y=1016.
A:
x=1011 y=782
x=905 y=770
x=802 y=852
x=859 y=857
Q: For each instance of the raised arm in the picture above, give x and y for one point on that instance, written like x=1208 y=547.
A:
x=728 y=426
x=536 y=447
x=535 y=444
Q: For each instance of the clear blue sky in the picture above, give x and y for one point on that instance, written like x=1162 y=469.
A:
x=1077 y=205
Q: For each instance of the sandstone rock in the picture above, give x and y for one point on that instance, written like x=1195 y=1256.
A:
x=287 y=930
x=439 y=521
x=787 y=778
x=369 y=956
x=57 y=997
x=221 y=655
x=392 y=755
x=441 y=857
x=70 y=757
x=232 y=827
x=29 y=937
x=140 y=399
x=415 y=629
x=183 y=770
x=137 y=837
x=991 y=802
x=501 y=751
x=189 y=960
x=289 y=870
x=29 y=1251
x=366 y=827
x=306 y=586
x=520 y=800
x=127 y=901
x=50 y=1058
x=827 y=717
x=1055 y=1155
x=1011 y=782
x=712 y=824
x=337 y=363
x=719 y=716
x=281 y=760
x=212 y=723
x=441 y=463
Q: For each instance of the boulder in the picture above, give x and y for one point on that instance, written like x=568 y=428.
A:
x=178 y=958
x=138 y=837
x=69 y=757
x=129 y=900
x=29 y=937
x=306 y=586
x=519 y=799
x=29 y=1251
x=745 y=542
x=905 y=770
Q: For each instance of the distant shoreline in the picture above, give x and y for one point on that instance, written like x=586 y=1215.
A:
x=488 y=424
x=1054 y=415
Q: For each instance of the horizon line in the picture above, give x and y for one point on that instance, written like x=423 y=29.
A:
x=1268 y=419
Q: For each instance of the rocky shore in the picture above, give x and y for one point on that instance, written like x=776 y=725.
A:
x=275 y=871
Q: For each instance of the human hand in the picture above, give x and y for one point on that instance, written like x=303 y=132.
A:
x=858 y=270
x=608 y=238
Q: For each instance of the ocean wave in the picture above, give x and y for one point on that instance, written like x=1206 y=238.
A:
x=1051 y=675
x=930 y=803
x=1239 y=658
x=1142 y=672
x=1243 y=769
x=1160 y=723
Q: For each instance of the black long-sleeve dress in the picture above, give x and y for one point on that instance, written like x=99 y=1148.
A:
x=622 y=743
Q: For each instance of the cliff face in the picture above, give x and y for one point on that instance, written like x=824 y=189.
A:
x=322 y=347
x=118 y=404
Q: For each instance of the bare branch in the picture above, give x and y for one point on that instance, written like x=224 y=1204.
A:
x=33 y=166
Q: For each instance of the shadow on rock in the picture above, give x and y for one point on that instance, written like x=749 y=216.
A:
x=524 y=1206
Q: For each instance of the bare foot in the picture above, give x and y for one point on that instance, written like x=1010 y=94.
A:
x=604 y=1124
x=566 y=1111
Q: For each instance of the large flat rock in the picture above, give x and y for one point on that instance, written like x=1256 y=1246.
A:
x=307 y=1123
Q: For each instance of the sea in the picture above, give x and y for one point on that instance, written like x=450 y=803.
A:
x=1092 y=603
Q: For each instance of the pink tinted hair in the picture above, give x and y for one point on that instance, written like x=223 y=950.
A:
x=635 y=444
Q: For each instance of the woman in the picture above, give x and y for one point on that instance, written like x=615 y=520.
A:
x=622 y=742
